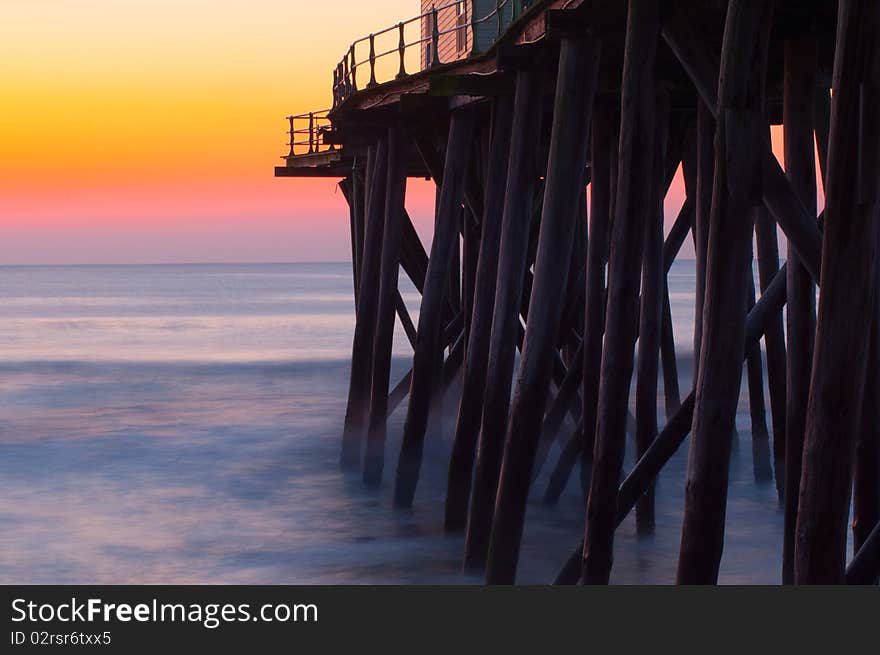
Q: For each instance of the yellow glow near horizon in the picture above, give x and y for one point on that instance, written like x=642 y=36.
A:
x=146 y=109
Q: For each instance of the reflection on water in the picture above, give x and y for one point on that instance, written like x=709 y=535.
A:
x=181 y=424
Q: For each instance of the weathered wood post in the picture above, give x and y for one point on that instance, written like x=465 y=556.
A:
x=346 y=186
x=359 y=200
x=580 y=442
x=761 y=467
x=650 y=312
x=634 y=202
x=705 y=176
x=774 y=340
x=799 y=88
x=849 y=259
x=467 y=425
x=569 y=140
x=515 y=223
x=365 y=320
x=603 y=183
x=677 y=428
x=374 y=458
x=736 y=193
x=430 y=330
x=866 y=474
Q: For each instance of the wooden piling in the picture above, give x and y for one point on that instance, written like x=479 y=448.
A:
x=650 y=314
x=736 y=193
x=703 y=207
x=383 y=341
x=467 y=424
x=848 y=297
x=359 y=200
x=633 y=203
x=430 y=327
x=604 y=175
x=354 y=429
x=800 y=167
x=513 y=252
x=761 y=467
x=774 y=340
x=572 y=113
x=866 y=473
x=677 y=428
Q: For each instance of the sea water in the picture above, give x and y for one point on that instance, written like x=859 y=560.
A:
x=181 y=424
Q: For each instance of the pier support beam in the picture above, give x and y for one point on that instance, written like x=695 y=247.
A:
x=389 y=272
x=603 y=174
x=650 y=314
x=703 y=207
x=603 y=185
x=761 y=467
x=774 y=340
x=634 y=202
x=848 y=290
x=467 y=425
x=575 y=88
x=354 y=429
x=515 y=227
x=736 y=194
x=430 y=329
x=800 y=167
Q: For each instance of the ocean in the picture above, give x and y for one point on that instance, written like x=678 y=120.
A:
x=181 y=424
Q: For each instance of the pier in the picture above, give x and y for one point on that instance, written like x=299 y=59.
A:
x=553 y=130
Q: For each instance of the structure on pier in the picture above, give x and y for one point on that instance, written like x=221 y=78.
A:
x=553 y=130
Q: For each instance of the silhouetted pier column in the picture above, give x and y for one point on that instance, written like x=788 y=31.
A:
x=800 y=167
x=467 y=425
x=389 y=272
x=354 y=429
x=430 y=329
x=515 y=223
x=575 y=88
x=634 y=201
x=848 y=298
x=736 y=194
x=650 y=313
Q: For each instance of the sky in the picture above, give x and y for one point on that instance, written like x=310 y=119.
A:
x=142 y=131
x=146 y=131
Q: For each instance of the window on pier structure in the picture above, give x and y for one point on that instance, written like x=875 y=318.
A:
x=461 y=25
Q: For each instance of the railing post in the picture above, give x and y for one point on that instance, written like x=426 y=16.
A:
x=435 y=39
x=311 y=133
x=372 y=81
x=346 y=76
x=325 y=129
x=499 y=5
x=354 y=84
x=401 y=49
x=335 y=89
x=475 y=49
x=290 y=120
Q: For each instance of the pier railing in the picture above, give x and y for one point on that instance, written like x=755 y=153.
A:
x=393 y=52
x=448 y=32
x=307 y=133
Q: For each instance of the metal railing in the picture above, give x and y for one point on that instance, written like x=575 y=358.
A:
x=307 y=130
x=307 y=133
x=345 y=75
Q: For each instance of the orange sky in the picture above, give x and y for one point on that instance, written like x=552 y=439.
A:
x=146 y=130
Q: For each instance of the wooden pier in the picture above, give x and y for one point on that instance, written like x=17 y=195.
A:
x=553 y=130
